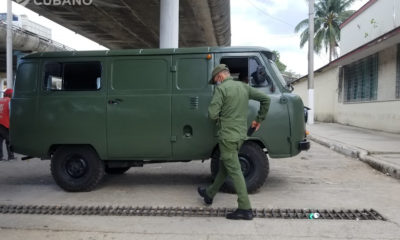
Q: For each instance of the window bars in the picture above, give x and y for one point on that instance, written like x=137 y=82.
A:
x=361 y=80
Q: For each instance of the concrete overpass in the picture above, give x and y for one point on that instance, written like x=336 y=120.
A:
x=26 y=42
x=121 y=24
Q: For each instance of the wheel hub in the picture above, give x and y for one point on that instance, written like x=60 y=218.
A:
x=76 y=166
x=245 y=165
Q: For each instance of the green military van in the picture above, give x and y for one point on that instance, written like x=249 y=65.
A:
x=97 y=112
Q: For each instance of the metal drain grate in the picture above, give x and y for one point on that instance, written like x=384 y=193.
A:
x=190 y=212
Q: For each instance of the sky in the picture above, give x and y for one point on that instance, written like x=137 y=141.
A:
x=270 y=24
x=265 y=23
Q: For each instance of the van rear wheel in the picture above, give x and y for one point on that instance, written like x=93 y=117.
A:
x=77 y=168
x=254 y=164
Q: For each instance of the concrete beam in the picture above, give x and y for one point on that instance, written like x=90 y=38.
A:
x=29 y=42
x=119 y=24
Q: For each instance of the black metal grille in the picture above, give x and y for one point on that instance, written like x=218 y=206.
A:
x=361 y=80
x=191 y=212
x=340 y=84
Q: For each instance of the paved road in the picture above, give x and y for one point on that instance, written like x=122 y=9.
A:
x=319 y=178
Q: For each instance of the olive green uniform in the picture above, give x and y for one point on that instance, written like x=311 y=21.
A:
x=229 y=106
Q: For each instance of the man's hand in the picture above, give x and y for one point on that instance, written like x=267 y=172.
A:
x=255 y=125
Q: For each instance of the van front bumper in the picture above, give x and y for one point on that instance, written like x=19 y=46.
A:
x=304 y=145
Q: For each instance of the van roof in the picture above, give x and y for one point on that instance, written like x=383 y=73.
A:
x=130 y=52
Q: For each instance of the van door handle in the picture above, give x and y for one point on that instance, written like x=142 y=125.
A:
x=115 y=101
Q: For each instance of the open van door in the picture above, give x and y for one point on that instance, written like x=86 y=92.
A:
x=276 y=129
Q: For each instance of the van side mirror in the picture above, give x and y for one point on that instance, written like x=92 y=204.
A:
x=290 y=86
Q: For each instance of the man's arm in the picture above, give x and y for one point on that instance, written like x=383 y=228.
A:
x=216 y=103
x=264 y=100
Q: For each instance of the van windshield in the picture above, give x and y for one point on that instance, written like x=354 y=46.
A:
x=275 y=71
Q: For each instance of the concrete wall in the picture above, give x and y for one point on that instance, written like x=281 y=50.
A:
x=300 y=88
x=383 y=114
x=325 y=94
x=378 y=19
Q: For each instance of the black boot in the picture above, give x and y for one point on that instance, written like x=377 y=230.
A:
x=203 y=194
x=240 y=214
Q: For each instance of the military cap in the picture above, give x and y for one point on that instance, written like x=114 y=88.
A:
x=217 y=69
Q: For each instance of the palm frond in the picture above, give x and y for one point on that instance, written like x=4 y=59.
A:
x=304 y=37
x=329 y=14
x=301 y=25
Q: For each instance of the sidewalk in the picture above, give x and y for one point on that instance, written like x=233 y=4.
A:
x=381 y=150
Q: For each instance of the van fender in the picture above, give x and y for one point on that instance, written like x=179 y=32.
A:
x=53 y=148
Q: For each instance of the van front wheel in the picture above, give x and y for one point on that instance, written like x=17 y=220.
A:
x=254 y=164
x=76 y=168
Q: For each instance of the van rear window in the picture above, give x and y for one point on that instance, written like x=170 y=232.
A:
x=72 y=76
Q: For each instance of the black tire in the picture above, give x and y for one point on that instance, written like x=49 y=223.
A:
x=255 y=167
x=76 y=168
x=116 y=171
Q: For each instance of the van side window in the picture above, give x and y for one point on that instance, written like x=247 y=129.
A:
x=81 y=76
x=248 y=70
x=53 y=76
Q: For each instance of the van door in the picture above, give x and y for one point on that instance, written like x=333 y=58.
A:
x=139 y=108
x=71 y=103
x=275 y=132
x=192 y=130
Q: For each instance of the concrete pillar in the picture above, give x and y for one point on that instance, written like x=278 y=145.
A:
x=9 y=46
x=169 y=23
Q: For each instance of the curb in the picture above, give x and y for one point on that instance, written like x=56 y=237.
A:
x=358 y=153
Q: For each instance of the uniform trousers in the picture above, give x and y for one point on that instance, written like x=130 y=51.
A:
x=229 y=165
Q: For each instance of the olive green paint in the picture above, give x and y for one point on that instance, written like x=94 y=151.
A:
x=152 y=105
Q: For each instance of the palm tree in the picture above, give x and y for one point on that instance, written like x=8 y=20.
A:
x=329 y=14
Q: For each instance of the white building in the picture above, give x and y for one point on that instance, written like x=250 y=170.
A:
x=362 y=87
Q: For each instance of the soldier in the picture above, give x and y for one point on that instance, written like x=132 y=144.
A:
x=229 y=107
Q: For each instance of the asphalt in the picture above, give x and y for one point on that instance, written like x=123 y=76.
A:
x=381 y=150
x=316 y=179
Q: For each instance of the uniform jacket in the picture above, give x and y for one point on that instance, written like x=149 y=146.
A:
x=229 y=106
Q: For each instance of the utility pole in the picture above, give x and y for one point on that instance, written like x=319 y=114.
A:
x=311 y=62
x=9 y=44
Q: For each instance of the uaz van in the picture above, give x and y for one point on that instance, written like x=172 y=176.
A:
x=98 y=112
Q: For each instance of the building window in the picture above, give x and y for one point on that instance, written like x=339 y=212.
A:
x=361 y=80
x=398 y=73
